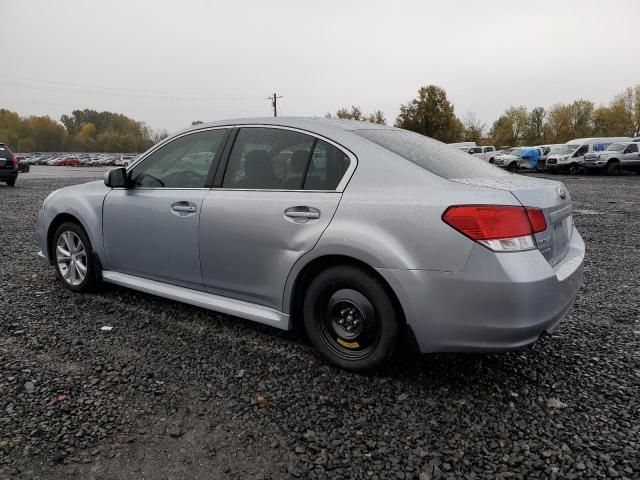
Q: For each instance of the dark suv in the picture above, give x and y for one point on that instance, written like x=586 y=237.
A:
x=8 y=166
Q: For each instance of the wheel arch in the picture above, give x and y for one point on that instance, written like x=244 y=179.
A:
x=305 y=274
x=58 y=220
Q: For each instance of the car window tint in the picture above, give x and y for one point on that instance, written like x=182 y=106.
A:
x=182 y=163
x=268 y=158
x=432 y=155
x=633 y=147
x=328 y=166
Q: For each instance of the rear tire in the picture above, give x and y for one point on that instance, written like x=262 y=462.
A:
x=72 y=256
x=11 y=182
x=350 y=318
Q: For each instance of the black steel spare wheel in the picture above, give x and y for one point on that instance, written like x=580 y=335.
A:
x=349 y=325
x=350 y=318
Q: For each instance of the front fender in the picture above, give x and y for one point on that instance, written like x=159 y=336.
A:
x=84 y=204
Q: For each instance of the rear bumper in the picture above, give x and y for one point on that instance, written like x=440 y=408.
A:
x=499 y=302
x=6 y=174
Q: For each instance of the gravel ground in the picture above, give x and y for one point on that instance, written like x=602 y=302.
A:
x=173 y=391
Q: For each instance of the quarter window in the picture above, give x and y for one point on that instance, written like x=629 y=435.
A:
x=182 y=163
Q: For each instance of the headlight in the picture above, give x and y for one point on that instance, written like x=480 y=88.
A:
x=44 y=203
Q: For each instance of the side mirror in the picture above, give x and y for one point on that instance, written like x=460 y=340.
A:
x=116 y=178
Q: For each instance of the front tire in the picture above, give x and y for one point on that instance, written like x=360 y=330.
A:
x=350 y=318
x=11 y=182
x=613 y=168
x=513 y=167
x=572 y=169
x=73 y=257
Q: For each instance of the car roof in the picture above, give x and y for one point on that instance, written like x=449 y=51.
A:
x=319 y=125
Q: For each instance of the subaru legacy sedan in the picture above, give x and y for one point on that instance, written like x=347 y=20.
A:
x=367 y=237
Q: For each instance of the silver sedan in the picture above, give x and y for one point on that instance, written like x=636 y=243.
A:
x=369 y=237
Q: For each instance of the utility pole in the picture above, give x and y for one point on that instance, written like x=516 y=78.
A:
x=274 y=103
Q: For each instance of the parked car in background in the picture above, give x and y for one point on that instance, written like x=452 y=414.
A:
x=617 y=157
x=569 y=158
x=281 y=221
x=488 y=154
x=69 y=162
x=545 y=151
x=520 y=158
x=8 y=166
x=23 y=165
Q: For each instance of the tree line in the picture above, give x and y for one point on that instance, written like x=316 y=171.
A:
x=431 y=113
x=81 y=131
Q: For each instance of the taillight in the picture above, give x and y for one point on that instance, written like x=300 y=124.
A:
x=14 y=160
x=501 y=228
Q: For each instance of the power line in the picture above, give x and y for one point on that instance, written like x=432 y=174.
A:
x=50 y=85
x=274 y=103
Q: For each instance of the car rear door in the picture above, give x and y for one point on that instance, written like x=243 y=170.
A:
x=270 y=205
x=151 y=229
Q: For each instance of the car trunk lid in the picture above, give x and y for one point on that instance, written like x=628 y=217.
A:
x=551 y=197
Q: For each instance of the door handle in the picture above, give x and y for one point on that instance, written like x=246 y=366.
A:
x=308 y=213
x=183 y=207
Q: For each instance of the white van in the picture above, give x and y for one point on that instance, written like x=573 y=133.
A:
x=569 y=157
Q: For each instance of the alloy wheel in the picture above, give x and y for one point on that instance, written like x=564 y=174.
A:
x=71 y=257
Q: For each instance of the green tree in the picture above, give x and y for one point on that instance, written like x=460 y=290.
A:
x=473 y=128
x=559 y=125
x=534 y=131
x=582 y=118
x=355 y=113
x=431 y=114
x=501 y=132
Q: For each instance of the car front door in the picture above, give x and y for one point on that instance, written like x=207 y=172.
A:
x=151 y=228
x=280 y=190
x=631 y=155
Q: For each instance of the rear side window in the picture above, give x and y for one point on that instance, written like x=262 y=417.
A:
x=279 y=159
x=328 y=166
x=432 y=155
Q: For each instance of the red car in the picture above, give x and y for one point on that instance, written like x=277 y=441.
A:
x=70 y=162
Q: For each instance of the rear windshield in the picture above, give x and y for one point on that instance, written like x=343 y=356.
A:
x=4 y=151
x=432 y=155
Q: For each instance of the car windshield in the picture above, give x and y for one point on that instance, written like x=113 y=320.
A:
x=616 y=147
x=517 y=152
x=565 y=149
x=432 y=155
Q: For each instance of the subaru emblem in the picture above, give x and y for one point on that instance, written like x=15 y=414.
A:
x=562 y=192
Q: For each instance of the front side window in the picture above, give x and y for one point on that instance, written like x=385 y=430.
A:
x=632 y=148
x=182 y=163
x=279 y=159
x=581 y=151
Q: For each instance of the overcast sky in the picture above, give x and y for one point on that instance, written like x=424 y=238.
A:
x=170 y=62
